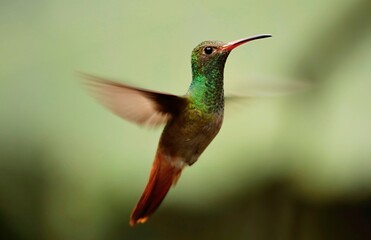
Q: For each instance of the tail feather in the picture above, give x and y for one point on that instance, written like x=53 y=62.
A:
x=164 y=173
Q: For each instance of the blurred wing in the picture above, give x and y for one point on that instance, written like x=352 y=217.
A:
x=249 y=90
x=235 y=103
x=233 y=98
x=137 y=105
x=268 y=88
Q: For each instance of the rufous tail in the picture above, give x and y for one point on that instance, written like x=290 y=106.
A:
x=165 y=172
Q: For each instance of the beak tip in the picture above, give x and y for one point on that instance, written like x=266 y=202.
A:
x=264 y=36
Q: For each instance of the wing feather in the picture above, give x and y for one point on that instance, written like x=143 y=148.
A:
x=137 y=105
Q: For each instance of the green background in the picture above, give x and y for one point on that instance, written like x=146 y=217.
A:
x=291 y=167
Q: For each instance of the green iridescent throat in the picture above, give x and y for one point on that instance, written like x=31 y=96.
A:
x=206 y=91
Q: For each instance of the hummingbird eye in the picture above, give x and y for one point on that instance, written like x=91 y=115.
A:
x=208 y=50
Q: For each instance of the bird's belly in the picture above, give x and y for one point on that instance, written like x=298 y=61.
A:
x=189 y=139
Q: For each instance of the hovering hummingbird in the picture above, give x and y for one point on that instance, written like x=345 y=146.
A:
x=191 y=121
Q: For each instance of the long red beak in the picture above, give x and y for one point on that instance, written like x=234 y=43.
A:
x=231 y=45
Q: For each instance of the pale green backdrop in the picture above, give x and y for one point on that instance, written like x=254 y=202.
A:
x=69 y=169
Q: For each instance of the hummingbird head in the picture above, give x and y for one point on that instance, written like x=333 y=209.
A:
x=209 y=57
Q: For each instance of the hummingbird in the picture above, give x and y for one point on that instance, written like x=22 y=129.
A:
x=191 y=121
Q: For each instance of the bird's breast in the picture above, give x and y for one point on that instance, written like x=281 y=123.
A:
x=188 y=135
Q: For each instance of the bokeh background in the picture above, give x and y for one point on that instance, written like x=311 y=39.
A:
x=291 y=167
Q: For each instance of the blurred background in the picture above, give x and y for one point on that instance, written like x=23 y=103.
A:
x=291 y=167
